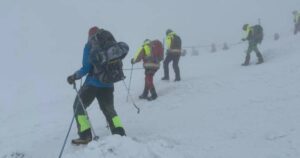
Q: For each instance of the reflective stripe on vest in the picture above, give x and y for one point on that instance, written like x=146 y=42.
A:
x=151 y=65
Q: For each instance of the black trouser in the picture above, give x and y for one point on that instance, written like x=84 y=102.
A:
x=297 y=28
x=105 y=99
x=175 y=58
x=253 y=47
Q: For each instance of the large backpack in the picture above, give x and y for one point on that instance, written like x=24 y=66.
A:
x=176 y=42
x=258 y=33
x=106 y=57
x=157 y=51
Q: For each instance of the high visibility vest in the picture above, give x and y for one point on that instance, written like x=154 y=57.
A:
x=146 y=49
x=247 y=31
x=297 y=18
x=169 y=39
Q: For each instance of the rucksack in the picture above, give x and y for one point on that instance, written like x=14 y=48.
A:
x=258 y=33
x=176 y=42
x=106 y=57
x=157 y=51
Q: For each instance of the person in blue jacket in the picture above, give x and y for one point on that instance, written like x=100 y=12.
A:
x=91 y=89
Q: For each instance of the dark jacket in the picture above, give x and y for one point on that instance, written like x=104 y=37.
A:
x=173 y=42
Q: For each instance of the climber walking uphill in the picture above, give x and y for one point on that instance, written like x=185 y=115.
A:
x=173 y=53
x=151 y=52
x=296 y=21
x=95 y=85
x=254 y=36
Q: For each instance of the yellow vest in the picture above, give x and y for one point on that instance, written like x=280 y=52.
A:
x=297 y=17
x=248 y=30
x=169 y=39
x=147 y=50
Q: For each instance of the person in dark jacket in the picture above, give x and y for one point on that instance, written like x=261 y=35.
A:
x=253 y=42
x=296 y=21
x=91 y=89
x=173 y=54
x=150 y=65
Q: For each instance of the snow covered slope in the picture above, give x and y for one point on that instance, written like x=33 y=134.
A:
x=219 y=109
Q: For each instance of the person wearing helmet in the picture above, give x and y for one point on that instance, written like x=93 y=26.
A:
x=251 y=36
x=150 y=65
x=91 y=89
x=296 y=21
x=173 y=54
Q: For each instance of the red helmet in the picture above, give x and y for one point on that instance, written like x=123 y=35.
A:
x=93 y=30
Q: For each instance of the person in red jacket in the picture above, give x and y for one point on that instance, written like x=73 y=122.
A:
x=151 y=65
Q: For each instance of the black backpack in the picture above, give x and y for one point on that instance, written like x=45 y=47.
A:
x=258 y=33
x=176 y=42
x=106 y=57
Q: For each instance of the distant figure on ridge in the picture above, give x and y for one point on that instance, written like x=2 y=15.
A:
x=173 y=42
x=254 y=36
x=296 y=21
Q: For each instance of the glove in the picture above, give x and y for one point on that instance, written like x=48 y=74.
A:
x=71 y=79
x=132 y=61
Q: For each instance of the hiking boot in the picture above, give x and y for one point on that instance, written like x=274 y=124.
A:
x=152 y=98
x=260 y=60
x=245 y=64
x=119 y=130
x=143 y=96
x=84 y=137
x=177 y=79
x=247 y=60
x=165 y=78
x=153 y=94
x=81 y=141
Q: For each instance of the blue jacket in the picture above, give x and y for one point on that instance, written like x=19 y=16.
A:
x=87 y=68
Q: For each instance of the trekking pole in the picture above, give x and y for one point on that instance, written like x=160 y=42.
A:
x=133 y=103
x=69 y=130
x=129 y=82
x=66 y=138
x=85 y=112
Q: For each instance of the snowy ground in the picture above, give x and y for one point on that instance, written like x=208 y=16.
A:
x=219 y=109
